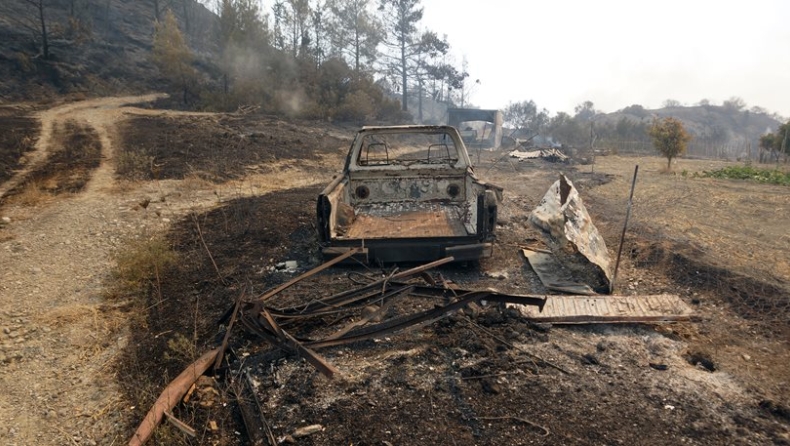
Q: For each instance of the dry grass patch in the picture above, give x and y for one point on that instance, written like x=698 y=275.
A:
x=142 y=265
x=30 y=194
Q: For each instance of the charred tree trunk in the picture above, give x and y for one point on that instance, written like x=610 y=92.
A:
x=44 y=36
x=185 y=4
x=419 y=102
x=356 y=50
x=403 y=66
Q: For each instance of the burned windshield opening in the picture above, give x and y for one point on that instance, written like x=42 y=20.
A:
x=407 y=149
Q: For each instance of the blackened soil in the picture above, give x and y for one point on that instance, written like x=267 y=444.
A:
x=18 y=135
x=76 y=153
x=215 y=148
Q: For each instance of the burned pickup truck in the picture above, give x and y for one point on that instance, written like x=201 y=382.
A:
x=408 y=193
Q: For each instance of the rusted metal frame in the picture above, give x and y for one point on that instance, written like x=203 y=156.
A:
x=345 y=305
x=267 y=334
x=332 y=300
x=274 y=333
x=226 y=338
x=289 y=342
x=365 y=320
x=387 y=299
x=269 y=294
x=258 y=428
x=267 y=331
x=398 y=324
x=492 y=296
x=171 y=396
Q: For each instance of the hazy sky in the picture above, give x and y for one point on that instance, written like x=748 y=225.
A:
x=620 y=52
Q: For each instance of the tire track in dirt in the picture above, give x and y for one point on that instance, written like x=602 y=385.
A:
x=79 y=111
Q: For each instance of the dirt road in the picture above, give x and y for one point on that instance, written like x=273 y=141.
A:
x=60 y=336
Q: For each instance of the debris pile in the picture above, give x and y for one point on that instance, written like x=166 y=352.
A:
x=294 y=329
x=550 y=154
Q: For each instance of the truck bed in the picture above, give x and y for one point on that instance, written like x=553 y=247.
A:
x=396 y=220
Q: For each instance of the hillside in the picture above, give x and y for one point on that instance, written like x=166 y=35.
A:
x=95 y=47
x=731 y=130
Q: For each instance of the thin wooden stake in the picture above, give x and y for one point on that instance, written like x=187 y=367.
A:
x=625 y=226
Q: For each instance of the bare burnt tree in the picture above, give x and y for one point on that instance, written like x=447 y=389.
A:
x=33 y=16
x=401 y=18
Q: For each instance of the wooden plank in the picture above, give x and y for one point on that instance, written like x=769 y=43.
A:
x=609 y=309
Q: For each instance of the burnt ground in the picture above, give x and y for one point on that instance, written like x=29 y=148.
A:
x=18 y=133
x=471 y=378
x=467 y=379
x=75 y=153
x=215 y=148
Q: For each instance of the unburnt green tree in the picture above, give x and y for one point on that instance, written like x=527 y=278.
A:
x=669 y=138
x=525 y=116
x=172 y=55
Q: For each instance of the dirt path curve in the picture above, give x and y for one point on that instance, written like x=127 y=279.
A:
x=59 y=336
x=56 y=331
x=97 y=110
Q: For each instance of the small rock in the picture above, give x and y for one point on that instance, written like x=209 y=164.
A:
x=660 y=367
x=746 y=357
x=6 y=220
x=6 y=330
x=589 y=359
x=490 y=386
x=307 y=430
